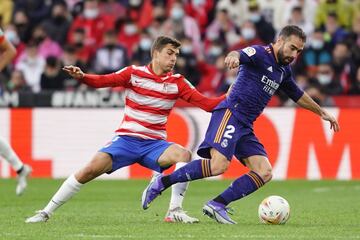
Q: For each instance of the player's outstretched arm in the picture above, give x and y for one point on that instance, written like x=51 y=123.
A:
x=7 y=51
x=118 y=79
x=306 y=102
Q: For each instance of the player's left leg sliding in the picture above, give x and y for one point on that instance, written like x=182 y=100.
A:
x=195 y=169
x=241 y=187
x=67 y=190
x=176 y=212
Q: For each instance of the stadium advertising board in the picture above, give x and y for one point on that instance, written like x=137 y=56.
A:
x=57 y=142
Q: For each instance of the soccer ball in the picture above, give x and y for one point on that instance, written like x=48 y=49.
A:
x=274 y=210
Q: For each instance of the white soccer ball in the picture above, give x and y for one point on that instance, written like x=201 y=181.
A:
x=274 y=210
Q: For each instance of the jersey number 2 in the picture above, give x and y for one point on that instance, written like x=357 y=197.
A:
x=230 y=129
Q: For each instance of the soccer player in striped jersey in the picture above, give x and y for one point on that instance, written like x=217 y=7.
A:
x=151 y=92
x=263 y=70
x=7 y=53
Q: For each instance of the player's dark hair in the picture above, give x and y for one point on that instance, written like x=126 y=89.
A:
x=292 y=30
x=161 y=41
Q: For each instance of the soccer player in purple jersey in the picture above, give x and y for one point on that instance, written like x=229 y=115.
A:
x=262 y=71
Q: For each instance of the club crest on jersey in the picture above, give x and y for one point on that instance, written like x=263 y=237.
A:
x=224 y=143
x=250 y=51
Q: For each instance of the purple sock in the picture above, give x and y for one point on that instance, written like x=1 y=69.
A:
x=241 y=187
x=195 y=169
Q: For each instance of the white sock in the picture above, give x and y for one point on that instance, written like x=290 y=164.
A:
x=9 y=155
x=68 y=189
x=178 y=191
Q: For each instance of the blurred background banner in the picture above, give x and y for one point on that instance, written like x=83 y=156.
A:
x=58 y=141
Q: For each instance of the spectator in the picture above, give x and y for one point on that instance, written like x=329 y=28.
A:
x=83 y=52
x=129 y=36
x=179 y=24
x=248 y=36
x=341 y=64
x=37 y=10
x=265 y=30
x=200 y=10
x=222 y=29
x=93 y=23
x=23 y=25
x=333 y=32
x=317 y=52
x=113 y=9
x=308 y=10
x=355 y=87
x=159 y=17
x=142 y=55
x=186 y=63
x=46 y=46
x=111 y=57
x=17 y=82
x=70 y=58
x=327 y=80
x=297 y=18
x=338 y=7
x=58 y=25
x=136 y=10
x=236 y=9
x=32 y=65
x=214 y=50
x=53 y=77
x=212 y=76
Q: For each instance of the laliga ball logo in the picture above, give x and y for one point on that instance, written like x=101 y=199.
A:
x=274 y=210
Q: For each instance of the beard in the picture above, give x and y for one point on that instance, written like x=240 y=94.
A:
x=283 y=60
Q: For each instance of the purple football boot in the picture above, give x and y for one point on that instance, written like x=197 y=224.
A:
x=218 y=212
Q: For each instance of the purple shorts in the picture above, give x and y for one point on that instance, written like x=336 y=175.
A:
x=230 y=137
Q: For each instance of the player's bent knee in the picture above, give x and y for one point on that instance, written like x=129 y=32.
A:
x=219 y=166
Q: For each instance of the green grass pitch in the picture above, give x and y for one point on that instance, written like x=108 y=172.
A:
x=111 y=210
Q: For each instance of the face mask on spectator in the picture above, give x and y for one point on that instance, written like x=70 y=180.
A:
x=317 y=44
x=215 y=51
x=177 y=13
x=255 y=17
x=324 y=79
x=134 y=3
x=198 y=2
x=130 y=29
x=145 y=44
x=186 y=49
x=91 y=13
x=248 y=33
x=59 y=19
x=12 y=37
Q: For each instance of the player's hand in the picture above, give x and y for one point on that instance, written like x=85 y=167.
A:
x=232 y=60
x=73 y=71
x=334 y=125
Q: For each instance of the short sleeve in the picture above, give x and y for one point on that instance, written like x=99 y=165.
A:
x=248 y=55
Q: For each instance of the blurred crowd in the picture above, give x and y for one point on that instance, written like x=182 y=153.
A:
x=103 y=36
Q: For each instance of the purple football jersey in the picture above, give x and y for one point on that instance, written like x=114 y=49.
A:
x=258 y=78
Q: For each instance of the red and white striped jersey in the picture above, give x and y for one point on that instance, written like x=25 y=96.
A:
x=149 y=98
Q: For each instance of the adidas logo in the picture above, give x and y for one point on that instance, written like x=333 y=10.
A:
x=270 y=69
